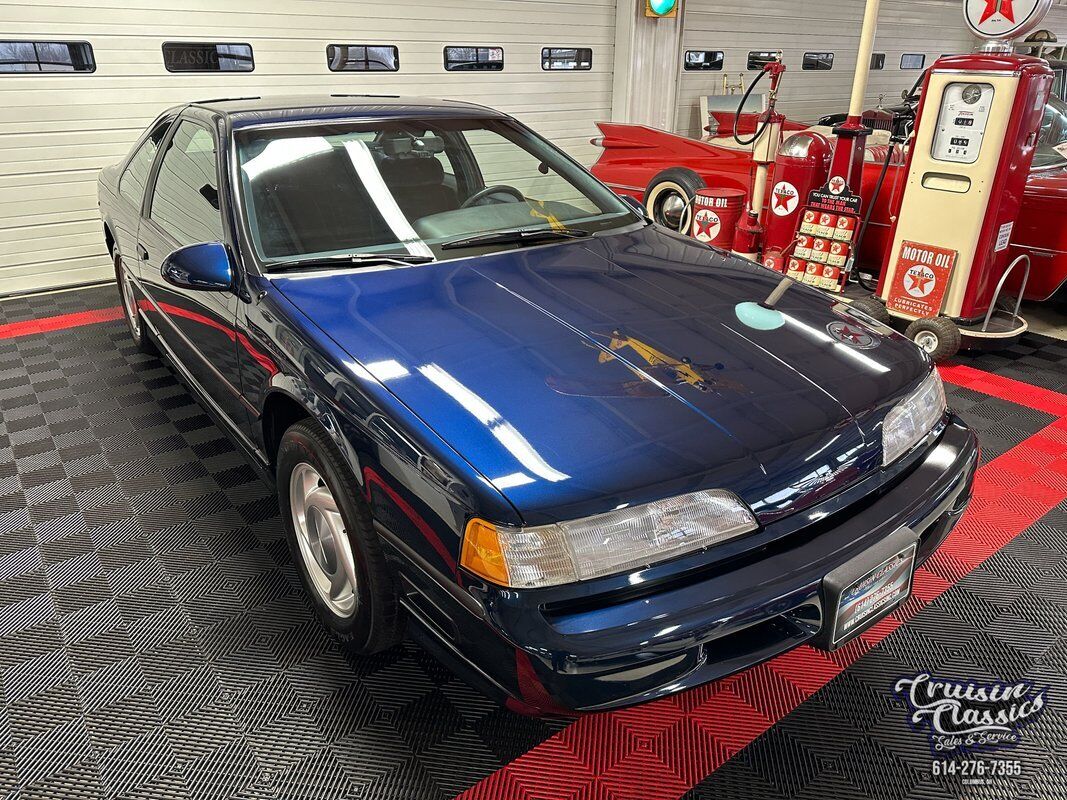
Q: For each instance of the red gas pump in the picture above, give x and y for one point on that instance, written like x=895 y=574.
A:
x=976 y=132
x=764 y=142
x=801 y=166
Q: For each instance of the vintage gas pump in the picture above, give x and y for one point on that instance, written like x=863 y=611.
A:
x=976 y=132
x=765 y=141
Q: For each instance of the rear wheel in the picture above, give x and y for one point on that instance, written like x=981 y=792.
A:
x=669 y=195
x=938 y=336
x=873 y=308
x=130 y=312
x=333 y=542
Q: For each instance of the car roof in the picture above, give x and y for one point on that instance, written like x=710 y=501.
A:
x=244 y=111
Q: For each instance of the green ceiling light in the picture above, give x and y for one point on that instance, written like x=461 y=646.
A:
x=661 y=8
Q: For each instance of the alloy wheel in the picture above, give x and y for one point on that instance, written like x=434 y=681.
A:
x=129 y=304
x=323 y=541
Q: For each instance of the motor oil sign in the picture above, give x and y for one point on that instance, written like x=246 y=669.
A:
x=920 y=279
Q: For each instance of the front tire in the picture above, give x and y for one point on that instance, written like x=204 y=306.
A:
x=669 y=196
x=130 y=312
x=938 y=336
x=333 y=542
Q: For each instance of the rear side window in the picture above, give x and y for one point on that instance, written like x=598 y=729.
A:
x=362 y=58
x=135 y=177
x=185 y=202
x=468 y=58
x=207 y=57
x=30 y=57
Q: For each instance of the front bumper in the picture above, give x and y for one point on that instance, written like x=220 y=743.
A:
x=667 y=629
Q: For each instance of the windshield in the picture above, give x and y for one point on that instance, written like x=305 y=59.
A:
x=1052 y=141
x=409 y=186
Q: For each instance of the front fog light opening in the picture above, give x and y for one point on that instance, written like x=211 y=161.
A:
x=605 y=544
x=910 y=420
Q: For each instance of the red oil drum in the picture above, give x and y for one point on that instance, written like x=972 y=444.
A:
x=716 y=212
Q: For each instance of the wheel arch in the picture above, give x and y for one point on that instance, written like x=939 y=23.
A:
x=109 y=239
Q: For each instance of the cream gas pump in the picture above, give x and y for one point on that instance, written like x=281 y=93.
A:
x=975 y=136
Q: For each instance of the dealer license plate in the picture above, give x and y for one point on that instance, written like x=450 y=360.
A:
x=870 y=597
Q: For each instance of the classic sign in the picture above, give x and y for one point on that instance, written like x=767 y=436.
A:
x=920 y=279
x=1004 y=19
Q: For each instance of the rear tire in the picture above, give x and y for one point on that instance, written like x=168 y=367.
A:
x=668 y=198
x=138 y=330
x=333 y=542
x=938 y=336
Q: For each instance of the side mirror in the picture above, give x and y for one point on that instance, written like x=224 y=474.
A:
x=203 y=267
x=635 y=204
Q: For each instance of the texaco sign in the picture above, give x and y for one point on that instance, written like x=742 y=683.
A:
x=1004 y=19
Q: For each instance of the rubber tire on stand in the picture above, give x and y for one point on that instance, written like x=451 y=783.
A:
x=938 y=336
x=377 y=621
x=873 y=308
x=134 y=322
x=677 y=182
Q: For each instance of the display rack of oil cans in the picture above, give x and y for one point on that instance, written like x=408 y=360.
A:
x=823 y=247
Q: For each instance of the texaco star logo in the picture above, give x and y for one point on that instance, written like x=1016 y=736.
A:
x=837 y=184
x=707 y=225
x=785 y=199
x=919 y=281
x=852 y=335
x=1002 y=7
x=1004 y=19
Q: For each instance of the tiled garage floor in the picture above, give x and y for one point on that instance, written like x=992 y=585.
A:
x=154 y=642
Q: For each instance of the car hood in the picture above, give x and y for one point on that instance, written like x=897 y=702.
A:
x=581 y=376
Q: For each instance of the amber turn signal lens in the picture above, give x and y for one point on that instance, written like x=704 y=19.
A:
x=481 y=552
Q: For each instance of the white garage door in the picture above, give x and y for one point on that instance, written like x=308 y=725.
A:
x=57 y=130
x=924 y=28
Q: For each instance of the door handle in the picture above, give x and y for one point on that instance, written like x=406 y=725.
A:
x=141 y=252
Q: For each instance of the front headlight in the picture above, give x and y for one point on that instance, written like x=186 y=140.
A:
x=912 y=418
x=620 y=540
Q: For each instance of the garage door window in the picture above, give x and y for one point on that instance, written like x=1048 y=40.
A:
x=757 y=58
x=912 y=61
x=185 y=202
x=566 y=58
x=30 y=57
x=207 y=57
x=466 y=58
x=818 y=61
x=362 y=58
x=701 y=60
x=877 y=61
x=135 y=178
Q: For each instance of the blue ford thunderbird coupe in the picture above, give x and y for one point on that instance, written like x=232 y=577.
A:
x=592 y=461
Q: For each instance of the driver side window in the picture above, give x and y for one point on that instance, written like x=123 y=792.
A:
x=185 y=202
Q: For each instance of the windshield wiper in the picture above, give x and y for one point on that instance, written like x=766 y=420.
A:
x=516 y=235
x=354 y=259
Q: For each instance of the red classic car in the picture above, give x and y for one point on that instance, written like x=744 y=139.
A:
x=663 y=171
